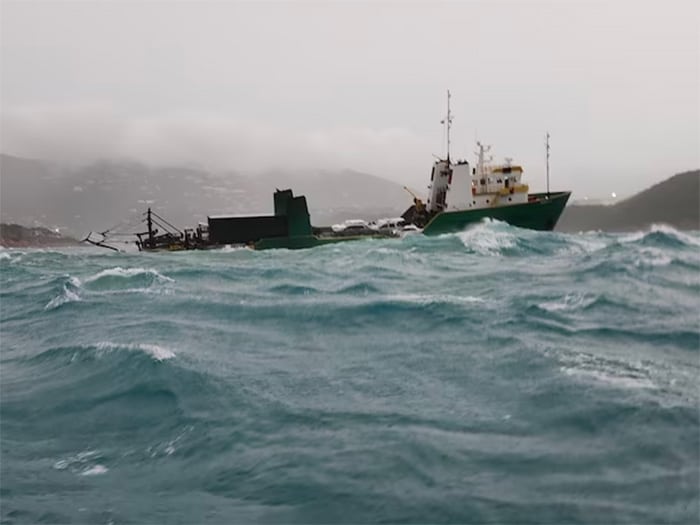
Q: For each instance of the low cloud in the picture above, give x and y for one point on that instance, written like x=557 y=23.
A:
x=82 y=134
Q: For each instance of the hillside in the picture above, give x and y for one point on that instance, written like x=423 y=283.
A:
x=675 y=201
x=15 y=236
x=100 y=195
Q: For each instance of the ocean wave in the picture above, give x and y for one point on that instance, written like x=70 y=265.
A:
x=571 y=356
x=293 y=289
x=70 y=292
x=125 y=279
x=82 y=352
x=234 y=249
x=111 y=280
x=649 y=256
x=158 y=353
x=82 y=463
x=661 y=234
x=430 y=299
x=607 y=370
x=487 y=238
x=569 y=302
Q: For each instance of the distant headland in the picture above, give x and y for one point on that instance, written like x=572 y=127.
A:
x=76 y=200
x=675 y=201
x=16 y=236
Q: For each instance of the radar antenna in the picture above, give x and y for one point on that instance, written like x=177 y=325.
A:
x=447 y=121
x=547 y=144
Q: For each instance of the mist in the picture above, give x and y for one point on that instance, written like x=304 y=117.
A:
x=89 y=133
x=254 y=87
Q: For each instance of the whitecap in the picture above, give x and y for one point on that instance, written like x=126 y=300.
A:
x=485 y=239
x=158 y=353
x=661 y=228
x=584 y=243
x=571 y=301
x=233 y=248
x=82 y=463
x=118 y=271
x=652 y=257
x=611 y=371
x=69 y=293
x=611 y=377
x=95 y=470
x=633 y=237
x=425 y=299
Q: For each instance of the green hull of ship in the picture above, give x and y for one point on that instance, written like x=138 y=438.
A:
x=540 y=213
x=301 y=242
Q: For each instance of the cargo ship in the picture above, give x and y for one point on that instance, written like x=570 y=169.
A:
x=458 y=195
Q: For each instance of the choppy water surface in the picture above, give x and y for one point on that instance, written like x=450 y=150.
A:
x=497 y=375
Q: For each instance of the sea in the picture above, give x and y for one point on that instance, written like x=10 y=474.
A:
x=496 y=375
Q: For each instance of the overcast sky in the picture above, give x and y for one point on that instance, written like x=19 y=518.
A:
x=258 y=85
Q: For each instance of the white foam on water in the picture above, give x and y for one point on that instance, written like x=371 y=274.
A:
x=652 y=257
x=118 y=271
x=425 y=299
x=611 y=371
x=158 y=353
x=680 y=235
x=61 y=464
x=69 y=294
x=612 y=378
x=571 y=301
x=82 y=463
x=584 y=243
x=95 y=470
x=484 y=239
x=633 y=237
x=231 y=249
x=661 y=228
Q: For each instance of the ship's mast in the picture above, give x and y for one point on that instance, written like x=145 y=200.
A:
x=482 y=159
x=149 y=222
x=447 y=121
x=548 y=164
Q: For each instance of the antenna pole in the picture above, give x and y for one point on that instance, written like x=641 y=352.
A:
x=548 y=164
x=447 y=121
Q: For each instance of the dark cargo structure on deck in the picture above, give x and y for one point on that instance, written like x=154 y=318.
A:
x=244 y=230
x=291 y=218
x=289 y=228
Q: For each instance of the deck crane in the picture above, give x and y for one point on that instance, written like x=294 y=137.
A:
x=416 y=200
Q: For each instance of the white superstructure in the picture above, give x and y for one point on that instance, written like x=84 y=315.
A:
x=457 y=186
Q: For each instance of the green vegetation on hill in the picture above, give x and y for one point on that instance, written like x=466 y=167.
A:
x=675 y=201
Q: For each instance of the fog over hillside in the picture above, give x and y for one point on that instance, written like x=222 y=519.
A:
x=307 y=86
x=83 y=134
x=99 y=195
